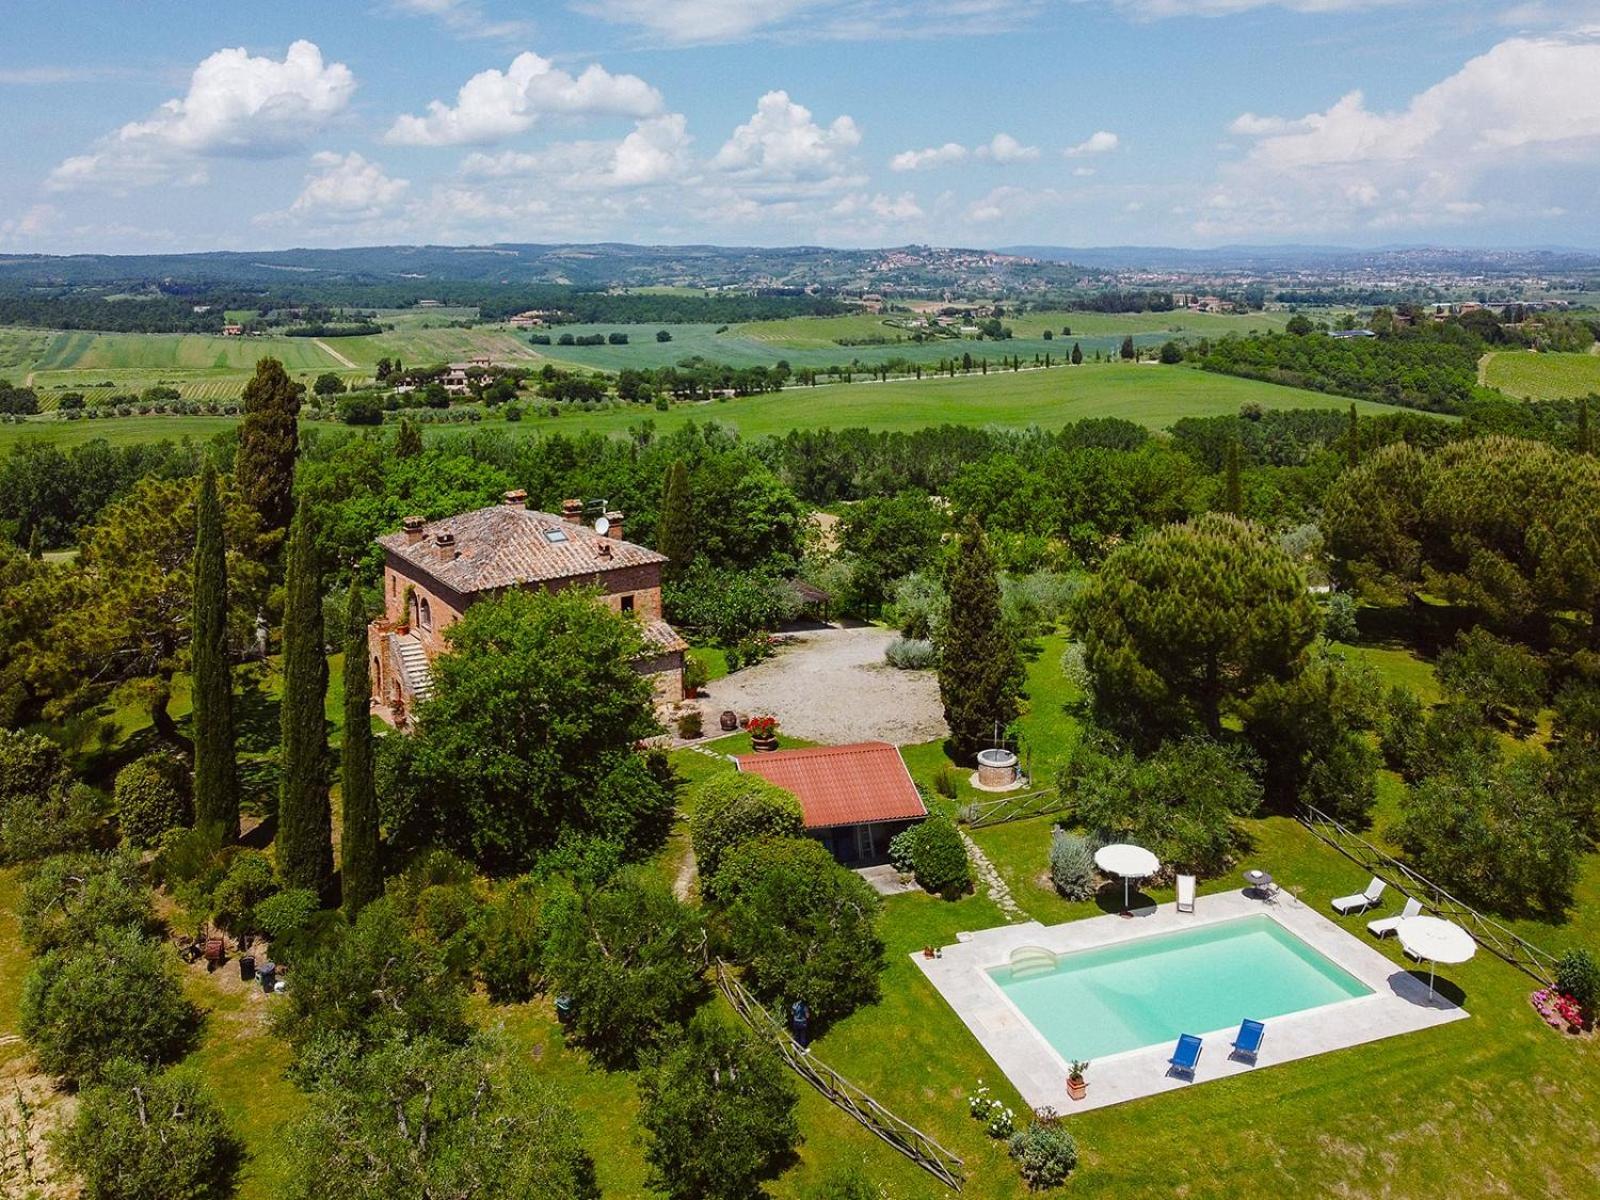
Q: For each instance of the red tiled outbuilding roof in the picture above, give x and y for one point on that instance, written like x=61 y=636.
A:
x=843 y=785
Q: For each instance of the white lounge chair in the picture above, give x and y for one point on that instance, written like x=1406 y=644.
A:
x=1384 y=926
x=1186 y=893
x=1361 y=901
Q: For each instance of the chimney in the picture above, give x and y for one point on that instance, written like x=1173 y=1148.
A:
x=616 y=525
x=602 y=548
x=516 y=498
x=445 y=544
x=572 y=512
x=413 y=529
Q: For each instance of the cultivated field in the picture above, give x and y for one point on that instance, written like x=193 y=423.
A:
x=1530 y=376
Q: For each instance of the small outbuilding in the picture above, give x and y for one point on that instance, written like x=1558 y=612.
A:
x=855 y=798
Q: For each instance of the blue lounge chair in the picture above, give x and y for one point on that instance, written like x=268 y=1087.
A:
x=1247 y=1042
x=1186 y=1057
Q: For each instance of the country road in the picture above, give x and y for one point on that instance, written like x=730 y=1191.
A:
x=343 y=361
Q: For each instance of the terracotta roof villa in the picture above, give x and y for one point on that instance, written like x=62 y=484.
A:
x=444 y=566
x=855 y=798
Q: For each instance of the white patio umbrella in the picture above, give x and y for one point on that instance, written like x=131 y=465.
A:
x=1437 y=940
x=1129 y=861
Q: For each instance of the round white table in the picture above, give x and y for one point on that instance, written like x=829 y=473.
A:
x=1129 y=861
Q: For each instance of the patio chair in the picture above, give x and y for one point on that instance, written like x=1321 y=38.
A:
x=1347 y=905
x=1247 y=1042
x=1384 y=926
x=1186 y=1057
x=1186 y=893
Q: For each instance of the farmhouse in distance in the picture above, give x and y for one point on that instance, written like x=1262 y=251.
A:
x=434 y=570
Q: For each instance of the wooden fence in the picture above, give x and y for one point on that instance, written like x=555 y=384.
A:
x=1490 y=934
x=904 y=1137
x=1013 y=807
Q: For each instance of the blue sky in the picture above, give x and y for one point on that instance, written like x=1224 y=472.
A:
x=144 y=125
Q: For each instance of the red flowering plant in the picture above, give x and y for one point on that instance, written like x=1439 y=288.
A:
x=762 y=727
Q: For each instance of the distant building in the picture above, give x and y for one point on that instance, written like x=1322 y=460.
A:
x=232 y=330
x=1352 y=333
x=446 y=566
x=455 y=382
x=855 y=798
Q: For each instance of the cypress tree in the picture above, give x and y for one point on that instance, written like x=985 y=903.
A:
x=675 y=534
x=1352 y=445
x=360 y=874
x=305 y=821
x=35 y=545
x=980 y=671
x=268 y=442
x=1077 y=354
x=1233 y=489
x=1585 y=438
x=408 y=441
x=216 y=770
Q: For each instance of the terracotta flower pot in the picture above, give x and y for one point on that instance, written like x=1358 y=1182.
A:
x=763 y=745
x=1077 y=1088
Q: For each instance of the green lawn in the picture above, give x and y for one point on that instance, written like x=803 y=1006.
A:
x=1532 y=376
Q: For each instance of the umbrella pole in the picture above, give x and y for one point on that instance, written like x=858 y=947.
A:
x=1431 y=968
x=1124 y=893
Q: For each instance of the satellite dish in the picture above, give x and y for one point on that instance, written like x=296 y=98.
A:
x=602 y=526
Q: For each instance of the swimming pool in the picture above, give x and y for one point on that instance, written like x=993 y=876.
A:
x=1093 y=1003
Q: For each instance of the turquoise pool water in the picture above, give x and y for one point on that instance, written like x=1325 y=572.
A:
x=1098 y=1002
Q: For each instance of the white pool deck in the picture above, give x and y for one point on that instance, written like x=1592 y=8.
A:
x=1399 y=1002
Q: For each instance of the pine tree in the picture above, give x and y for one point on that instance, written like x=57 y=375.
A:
x=216 y=770
x=675 y=533
x=980 y=671
x=268 y=442
x=1233 y=489
x=408 y=441
x=1352 y=443
x=1585 y=437
x=360 y=873
x=305 y=822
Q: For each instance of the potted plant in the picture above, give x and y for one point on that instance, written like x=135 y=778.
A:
x=763 y=734
x=1077 y=1085
x=407 y=598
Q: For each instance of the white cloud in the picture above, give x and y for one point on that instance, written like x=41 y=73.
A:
x=348 y=187
x=1005 y=150
x=464 y=18
x=657 y=151
x=1082 y=172
x=691 y=22
x=495 y=104
x=1010 y=203
x=30 y=226
x=1100 y=142
x=1501 y=135
x=237 y=105
x=782 y=142
x=933 y=156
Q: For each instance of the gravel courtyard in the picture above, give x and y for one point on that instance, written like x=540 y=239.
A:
x=832 y=686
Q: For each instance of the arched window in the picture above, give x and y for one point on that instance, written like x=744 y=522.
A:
x=426 y=618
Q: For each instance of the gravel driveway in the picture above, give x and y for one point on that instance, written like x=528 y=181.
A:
x=832 y=686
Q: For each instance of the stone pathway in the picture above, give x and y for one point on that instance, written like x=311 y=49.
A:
x=992 y=883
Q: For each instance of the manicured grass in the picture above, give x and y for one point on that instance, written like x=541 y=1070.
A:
x=1532 y=376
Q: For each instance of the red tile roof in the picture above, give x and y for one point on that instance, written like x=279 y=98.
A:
x=842 y=785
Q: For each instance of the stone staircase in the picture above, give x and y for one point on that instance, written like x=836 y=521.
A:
x=414 y=662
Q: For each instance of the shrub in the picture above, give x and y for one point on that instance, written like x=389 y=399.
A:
x=511 y=965
x=719 y=1111
x=284 y=914
x=117 y=998
x=848 y=1182
x=804 y=926
x=910 y=654
x=1400 y=731
x=361 y=408
x=939 y=859
x=1339 y=618
x=732 y=808
x=41 y=810
x=152 y=795
x=1578 y=976
x=690 y=724
x=147 y=1136
x=1045 y=1154
x=71 y=898
x=696 y=674
x=624 y=956
x=1072 y=865
x=945 y=781
x=249 y=881
x=373 y=983
x=1506 y=681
